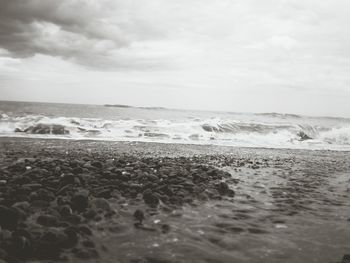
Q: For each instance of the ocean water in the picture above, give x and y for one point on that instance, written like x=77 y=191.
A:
x=124 y=123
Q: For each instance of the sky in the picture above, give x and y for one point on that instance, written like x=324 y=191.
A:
x=287 y=56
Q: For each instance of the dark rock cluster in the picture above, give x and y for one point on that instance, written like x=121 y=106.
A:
x=45 y=129
x=48 y=205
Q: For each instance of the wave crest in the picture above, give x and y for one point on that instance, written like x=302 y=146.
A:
x=197 y=131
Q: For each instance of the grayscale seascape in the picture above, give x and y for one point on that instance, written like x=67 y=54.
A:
x=161 y=131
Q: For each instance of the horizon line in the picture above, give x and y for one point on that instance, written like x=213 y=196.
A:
x=117 y=105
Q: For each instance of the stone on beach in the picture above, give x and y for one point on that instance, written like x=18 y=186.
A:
x=139 y=215
x=9 y=218
x=80 y=201
x=51 y=200
x=56 y=129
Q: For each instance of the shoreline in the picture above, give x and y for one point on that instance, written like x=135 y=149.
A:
x=180 y=148
x=153 y=202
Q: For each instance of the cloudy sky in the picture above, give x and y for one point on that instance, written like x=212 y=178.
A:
x=290 y=56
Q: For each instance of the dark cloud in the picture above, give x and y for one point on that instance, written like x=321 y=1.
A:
x=85 y=31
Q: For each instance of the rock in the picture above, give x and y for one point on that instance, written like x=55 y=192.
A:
x=224 y=189
x=79 y=201
x=303 y=136
x=51 y=244
x=97 y=164
x=85 y=230
x=22 y=215
x=3 y=256
x=105 y=193
x=145 y=228
x=110 y=162
x=209 y=128
x=63 y=190
x=9 y=218
x=67 y=179
x=90 y=214
x=78 y=170
x=63 y=200
x=47 y=220
x=165 y=228
x=45 y=195
x=72 y=239
x=24 y=206
x=40 y=203
x=150 y=198
x=86 y=253
x=73 y=219
x=156 y=134
x=101 y=203
x=21 y=246
x=139 y=215
x=65 y=210
x=346 y=258
x=88 y=243
x=5 y=235
x=17 y=166
x=32 y=187
x=57 y=170
x=47 y=129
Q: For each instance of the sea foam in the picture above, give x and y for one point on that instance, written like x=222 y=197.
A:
x=265 y=132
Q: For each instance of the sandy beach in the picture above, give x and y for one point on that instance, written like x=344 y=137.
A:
x=89 y=201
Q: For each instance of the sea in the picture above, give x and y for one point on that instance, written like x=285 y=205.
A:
x=163 y=125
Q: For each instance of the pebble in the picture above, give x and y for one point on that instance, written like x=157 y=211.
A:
x=346 y=258
x=106 y=193
x=47 y=220
x=86 y=254
x=65 y=210
x=24 y=206
x=85 y=230
x=224 y=189
x=9 y=218
x=139 y=215
x=165 y=228
x=32 y=186
x=70 y=191
x=97 y=164
x=73 y=219
x=80 y=201
x=100 y=203
x=150 y=199
x=280 y=226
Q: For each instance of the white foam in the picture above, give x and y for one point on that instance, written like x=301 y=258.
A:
x=189 y=131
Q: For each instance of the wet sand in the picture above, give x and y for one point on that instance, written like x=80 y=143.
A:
x=148 y=202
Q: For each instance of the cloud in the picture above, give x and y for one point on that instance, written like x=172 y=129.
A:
x=237 y=49
x=149 y=34
x=285 y=42
x=85 y=31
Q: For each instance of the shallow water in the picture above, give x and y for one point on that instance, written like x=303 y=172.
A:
x=278 y=215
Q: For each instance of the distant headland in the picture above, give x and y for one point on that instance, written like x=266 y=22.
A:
x=129 y=106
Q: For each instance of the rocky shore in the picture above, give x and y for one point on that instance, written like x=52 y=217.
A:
x=47 y=201
x=57 y=197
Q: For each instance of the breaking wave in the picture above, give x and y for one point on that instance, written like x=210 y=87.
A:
x=190 y=131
